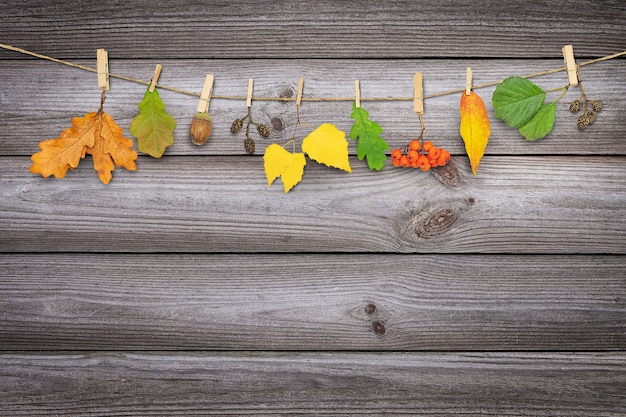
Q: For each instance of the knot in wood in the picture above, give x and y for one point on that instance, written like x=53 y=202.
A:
x=277 y=123
x=370 y=309
x=448 y=175
x=431 y=224
x=286 y=92
x=378 y=327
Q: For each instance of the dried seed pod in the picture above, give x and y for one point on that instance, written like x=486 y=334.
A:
x=263 y=130
x=596 y=105
x=584 y=121
x=200 y=128
x=576 y=106
x=236 y=126
x=590 y=116
x=248 y=144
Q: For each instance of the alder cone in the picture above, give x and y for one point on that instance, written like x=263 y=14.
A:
x=200 y=128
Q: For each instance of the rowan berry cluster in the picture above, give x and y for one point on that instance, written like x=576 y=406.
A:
x=416 y=155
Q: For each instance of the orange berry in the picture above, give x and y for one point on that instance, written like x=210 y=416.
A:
x=414 y=164
x=412 y=155
x=396 y=153
x=427 y=146
x=425 y=167
x=444 y=158
x=434 y=153
x=415 y=145
x=395 y=162
x=404 y=161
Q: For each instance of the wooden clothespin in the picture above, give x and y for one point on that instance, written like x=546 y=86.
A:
x=357 y=94
x=155 y=77
x=468 y=81
x=418 y=93
x=300 y=88
x=570 y=65
x=205 y=95
x=103 y=69
x=249 y=96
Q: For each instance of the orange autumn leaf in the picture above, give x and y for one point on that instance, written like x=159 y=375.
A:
x=475 y=128
x=96 y=134
x=65 y=152
x=111 y=149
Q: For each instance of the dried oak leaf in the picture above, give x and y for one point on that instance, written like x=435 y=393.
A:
x=96 y=134
x=65 y=152
x=111 y=149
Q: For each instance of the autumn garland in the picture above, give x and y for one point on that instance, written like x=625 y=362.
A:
x=517 y=101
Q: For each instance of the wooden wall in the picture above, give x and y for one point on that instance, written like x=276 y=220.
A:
x=189 y=287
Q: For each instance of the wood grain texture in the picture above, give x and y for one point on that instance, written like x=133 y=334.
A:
x=326 y=29
x=39 y=99
x=222 y=204
x=190 y=288
x=338 y=384
x=312 y=302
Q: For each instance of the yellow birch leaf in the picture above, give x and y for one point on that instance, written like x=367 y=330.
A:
x=475 y=128
x=328 y=145
x=279 y=162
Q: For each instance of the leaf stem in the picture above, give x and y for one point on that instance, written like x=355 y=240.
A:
x=102 y=98
x=562 y=94
x=582 y=90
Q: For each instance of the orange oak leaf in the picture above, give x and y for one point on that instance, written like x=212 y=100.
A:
x=111 y=148
x=65 y=152
x=96 y=134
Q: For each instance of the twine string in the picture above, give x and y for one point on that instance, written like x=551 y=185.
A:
x=312 y=99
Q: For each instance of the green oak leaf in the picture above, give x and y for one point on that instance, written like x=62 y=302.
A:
x=541 y=124
x=370 y=144
x=153 y=127
x=516 y=100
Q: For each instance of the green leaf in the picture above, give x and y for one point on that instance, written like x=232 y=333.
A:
x=370 y=144
x=541 y=124
x=516 y=100
x=153 y=127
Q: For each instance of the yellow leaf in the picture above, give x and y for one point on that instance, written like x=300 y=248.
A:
x=475 y=128
x=278 y=162
x=328 y=145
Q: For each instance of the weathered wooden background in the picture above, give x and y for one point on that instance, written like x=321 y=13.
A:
x=189 y=287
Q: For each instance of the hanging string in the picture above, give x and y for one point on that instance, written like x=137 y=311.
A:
x=318 y=99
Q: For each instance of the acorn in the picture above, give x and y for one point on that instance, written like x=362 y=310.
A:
x=200 y=128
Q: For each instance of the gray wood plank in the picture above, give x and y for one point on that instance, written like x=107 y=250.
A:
x=327 y=29
x=312 y=302
x=222 y=204
x=39 y=100
x=429 y=384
